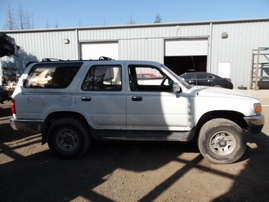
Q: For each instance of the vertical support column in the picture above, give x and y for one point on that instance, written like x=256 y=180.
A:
x=251 y=70
x=257 y=69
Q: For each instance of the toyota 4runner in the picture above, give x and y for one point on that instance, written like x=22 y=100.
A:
x=71 y=102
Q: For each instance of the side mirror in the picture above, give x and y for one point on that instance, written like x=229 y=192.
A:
x=176 y=88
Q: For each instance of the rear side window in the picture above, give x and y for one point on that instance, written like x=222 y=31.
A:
x=47 y=75
x=103 y=78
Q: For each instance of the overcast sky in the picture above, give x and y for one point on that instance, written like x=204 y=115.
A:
x=71 y=13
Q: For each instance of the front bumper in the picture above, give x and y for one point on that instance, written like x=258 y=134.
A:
x=26 y=125
x=255 y=123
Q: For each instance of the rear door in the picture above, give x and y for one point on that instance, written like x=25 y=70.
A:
x=102 y=96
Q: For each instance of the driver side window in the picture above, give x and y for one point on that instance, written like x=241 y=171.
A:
x=147 y=78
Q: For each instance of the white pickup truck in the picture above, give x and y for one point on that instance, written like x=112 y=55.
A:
x=71 y=102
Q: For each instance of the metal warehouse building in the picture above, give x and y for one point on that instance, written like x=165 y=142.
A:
x=235 y=48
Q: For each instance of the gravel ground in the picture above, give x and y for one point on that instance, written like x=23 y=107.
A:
x=129 y=171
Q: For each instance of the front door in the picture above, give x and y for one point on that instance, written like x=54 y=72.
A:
x=151 y=104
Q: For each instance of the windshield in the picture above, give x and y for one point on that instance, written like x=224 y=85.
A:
x=182 y=81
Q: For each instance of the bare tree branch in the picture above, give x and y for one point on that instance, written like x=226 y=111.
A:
x=10 y=22
x=21 y=16
x=158 y=19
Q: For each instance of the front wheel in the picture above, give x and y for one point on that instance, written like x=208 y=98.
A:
x=69 y=137
x=221 y=141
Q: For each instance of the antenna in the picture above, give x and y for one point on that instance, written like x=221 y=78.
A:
x=193 y=64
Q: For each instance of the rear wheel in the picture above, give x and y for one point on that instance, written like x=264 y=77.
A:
x=69 y=137
x=221 y=141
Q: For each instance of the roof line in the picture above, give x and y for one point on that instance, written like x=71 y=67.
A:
x=137 y=25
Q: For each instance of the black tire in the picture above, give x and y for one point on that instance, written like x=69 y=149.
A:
x=221 y=141
x=69 y=138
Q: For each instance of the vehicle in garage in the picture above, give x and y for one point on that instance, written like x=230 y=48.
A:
x=207 y=79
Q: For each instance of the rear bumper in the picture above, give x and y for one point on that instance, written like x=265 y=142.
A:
x=26 y=125
x=255 y=123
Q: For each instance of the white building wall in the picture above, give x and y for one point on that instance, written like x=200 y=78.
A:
x=44 y=44
x=142 y=42
x=237 y=48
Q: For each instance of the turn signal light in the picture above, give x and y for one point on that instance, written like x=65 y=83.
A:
x=258 y=108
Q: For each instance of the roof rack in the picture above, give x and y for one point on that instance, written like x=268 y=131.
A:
x=50 y=59
x=55 y=59
x=105 y=58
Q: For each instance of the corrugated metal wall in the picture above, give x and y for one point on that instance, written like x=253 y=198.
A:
x=237 y=47
x=48 y=44
x=147 y=42
x=143 y=43
x=38 y=45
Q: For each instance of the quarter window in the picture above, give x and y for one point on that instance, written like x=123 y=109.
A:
x=52 y=75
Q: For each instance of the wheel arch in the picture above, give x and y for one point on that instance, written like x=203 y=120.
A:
x=234 y=116
x=59 y=115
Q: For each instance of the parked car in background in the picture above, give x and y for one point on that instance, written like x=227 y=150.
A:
x=145 y=76
x=207 y=79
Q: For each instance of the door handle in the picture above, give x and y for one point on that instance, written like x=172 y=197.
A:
x=137 y=98
x=86 y=98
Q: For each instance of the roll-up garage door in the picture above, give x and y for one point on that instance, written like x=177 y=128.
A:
x=186 y=47
x=95 y=50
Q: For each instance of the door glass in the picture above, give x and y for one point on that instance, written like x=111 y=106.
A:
x=103 y=78
x=148 y=78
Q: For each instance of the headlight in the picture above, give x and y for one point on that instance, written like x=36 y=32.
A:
x=258 y=108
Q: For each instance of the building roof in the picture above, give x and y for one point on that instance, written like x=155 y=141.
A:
x=139 y=25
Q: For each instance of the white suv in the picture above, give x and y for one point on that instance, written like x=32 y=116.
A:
x=71 y=102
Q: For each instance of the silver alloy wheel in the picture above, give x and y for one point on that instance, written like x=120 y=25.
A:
x=222 y=143
x=67 y=140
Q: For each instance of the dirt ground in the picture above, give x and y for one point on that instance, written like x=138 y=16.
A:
x=128 y=171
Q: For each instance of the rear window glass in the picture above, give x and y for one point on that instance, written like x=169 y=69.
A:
x=52 y=75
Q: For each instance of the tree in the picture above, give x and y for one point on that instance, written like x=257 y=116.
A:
x=10 y=22
x=22 y=22
x=47 y=24
x=158 y=19
x=131 y=21
x=29 y=22
x=21 y=16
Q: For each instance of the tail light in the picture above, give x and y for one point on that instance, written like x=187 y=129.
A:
x=228 y=79
x=12 y=106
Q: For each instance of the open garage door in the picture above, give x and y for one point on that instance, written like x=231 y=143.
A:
x=186 y=55
x=95 y=50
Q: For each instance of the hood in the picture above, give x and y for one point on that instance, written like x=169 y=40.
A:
x=218 y=92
